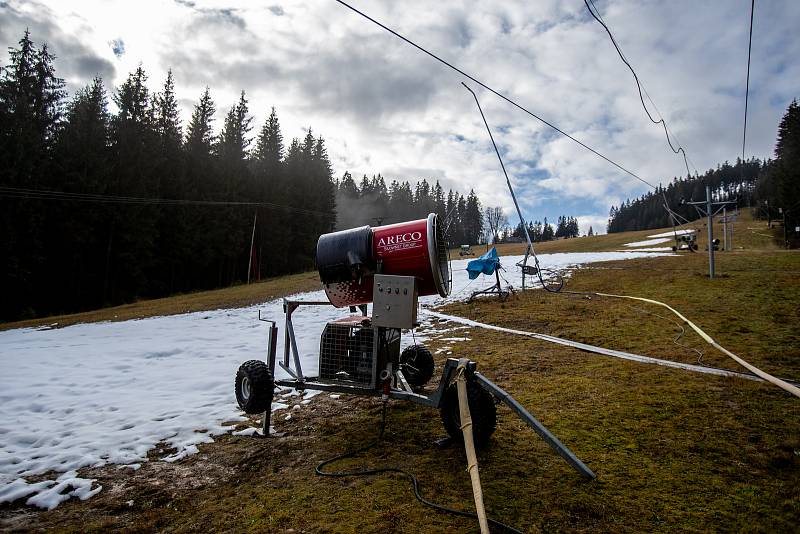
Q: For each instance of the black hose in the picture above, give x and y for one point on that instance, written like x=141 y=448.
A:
x=557 y=276
x=414 y=482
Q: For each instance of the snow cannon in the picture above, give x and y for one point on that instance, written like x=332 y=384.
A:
x=348 y=260
x=361 y=353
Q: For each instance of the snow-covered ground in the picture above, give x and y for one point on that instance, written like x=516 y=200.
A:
x=107 y=393
x=647 y=242
x=672 y=233
x=651 y=249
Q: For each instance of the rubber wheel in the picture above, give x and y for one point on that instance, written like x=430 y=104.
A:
x=416 y=364
x=481 y=408
x=254 y=387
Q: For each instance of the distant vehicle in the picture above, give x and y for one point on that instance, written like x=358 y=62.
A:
x=686 y=241
x=466 y=250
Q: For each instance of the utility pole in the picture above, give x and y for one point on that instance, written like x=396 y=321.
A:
x=785 y=235
x=252 y=239
x=725 y=228
x=710 y=233
x=709 y=213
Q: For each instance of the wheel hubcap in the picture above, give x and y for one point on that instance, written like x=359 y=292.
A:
x=245 y=388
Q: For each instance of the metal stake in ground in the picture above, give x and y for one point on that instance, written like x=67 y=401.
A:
x=710 y=233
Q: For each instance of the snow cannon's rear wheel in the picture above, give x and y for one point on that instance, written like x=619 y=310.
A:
x=254 y=387
x=481 y=408
x=416 y=364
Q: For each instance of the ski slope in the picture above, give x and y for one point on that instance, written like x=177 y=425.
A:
x=107 y=393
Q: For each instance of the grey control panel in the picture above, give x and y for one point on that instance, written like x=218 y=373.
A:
x=394 y=301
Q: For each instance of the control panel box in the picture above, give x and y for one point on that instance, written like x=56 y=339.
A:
x=394 y=301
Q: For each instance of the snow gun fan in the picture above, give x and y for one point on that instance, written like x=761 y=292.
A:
x=348 y=260
x=359 y=354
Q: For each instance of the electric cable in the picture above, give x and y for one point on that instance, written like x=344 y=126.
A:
x=681 y=332
x=596 y=15
x=43 y=194
x=660 y=120
x=504 y=97
x=496 y=93
x=747 y=85
x=410 y=476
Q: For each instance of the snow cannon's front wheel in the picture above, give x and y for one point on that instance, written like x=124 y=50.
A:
x=416 y=364
x=481 y=408
x=254 y=387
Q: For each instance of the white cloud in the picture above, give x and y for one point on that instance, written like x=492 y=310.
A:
x=383 y=107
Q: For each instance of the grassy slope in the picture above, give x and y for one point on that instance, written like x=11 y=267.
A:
x=243 y=295
x=672 y=450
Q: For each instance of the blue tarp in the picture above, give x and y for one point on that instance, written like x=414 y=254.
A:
x=486 y=264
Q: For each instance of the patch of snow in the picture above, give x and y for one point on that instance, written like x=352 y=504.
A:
x=647 y=243
x=134 y=467
x=287 y=417
x=107 y=393
x=182 y=453
x=66 y=486
x=652 y=249
x=19 y=488
x=335 y=396
x=249 y=431
x=671 y=233
x=306 y=401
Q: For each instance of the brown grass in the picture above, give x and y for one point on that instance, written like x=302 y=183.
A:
x=673 y=450
x=231 y=297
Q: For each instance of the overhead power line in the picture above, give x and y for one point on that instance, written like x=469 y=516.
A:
x=747 y=86
x=660 y=120
x=497 y=93
x=42 y=194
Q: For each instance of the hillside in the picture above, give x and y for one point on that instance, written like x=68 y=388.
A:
x=673 y=450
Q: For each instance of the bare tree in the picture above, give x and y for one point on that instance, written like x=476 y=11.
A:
x=495 y=220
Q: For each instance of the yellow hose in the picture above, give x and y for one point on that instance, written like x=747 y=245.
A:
x=469 y=445
x=794 y=390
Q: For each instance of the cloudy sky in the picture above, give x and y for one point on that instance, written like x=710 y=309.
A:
x=383 y=107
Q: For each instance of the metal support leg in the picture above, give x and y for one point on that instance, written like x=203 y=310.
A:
x=266 y=419
x=537 y=427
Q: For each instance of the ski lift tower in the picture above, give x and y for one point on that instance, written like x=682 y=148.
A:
x=709 y=209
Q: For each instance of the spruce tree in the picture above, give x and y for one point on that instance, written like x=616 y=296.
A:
x=271 y=187
x=132 y=231
x=174 y=244
x=30 y=111
x=83 y=157
x=234 y=225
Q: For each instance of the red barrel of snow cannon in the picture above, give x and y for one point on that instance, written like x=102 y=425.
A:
x=348 y=259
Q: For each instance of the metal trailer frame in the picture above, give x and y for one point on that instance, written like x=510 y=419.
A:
x=403 y=391
x=495 y=289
